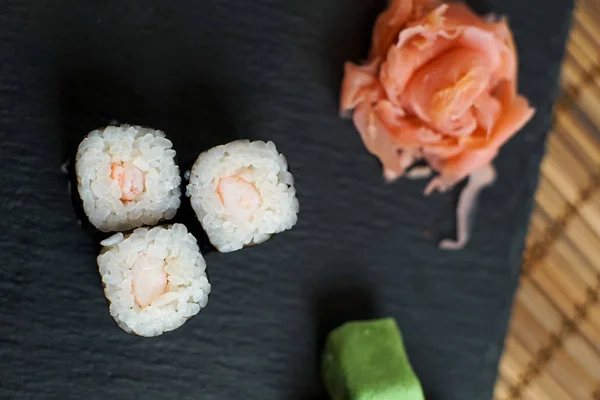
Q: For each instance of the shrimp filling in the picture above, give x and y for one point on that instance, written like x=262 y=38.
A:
x=149 y=280
x=239 y=197
x=129 y=178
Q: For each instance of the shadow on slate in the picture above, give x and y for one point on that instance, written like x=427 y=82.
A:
x=91 y=99
x=334 y=301
x=481 y=6
x=192 y=120
x=347 y=37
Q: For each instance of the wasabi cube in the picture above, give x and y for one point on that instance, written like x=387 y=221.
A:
x=366 y=360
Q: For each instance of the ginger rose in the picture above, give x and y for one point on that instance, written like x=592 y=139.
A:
x=440 y=85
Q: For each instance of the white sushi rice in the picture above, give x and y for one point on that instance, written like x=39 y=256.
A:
x=146 y=151
x=258 y=164
x=187 y=287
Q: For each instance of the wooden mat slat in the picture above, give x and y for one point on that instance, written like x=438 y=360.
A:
x=590 y=212
x=584 y=140
x=501 y=389
x=561 y=284
x=549 y=200
x=585 y=17
x=527 y=330
x=581 y=58
x=533 y=299
x=544 y=386
x=585 y=156
x=569 y=280
x=581 y=48
x=570 y=164
x=589 y=102
x=589 y=244
x=553 y=345
x=572 y=258
x=546 y=277
x=552 y=170
x=566 y=370
x=539 y=222
x=551 y=389
x=579 y=349
x=511 y=367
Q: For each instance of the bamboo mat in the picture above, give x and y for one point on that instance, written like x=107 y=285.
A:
x=553 y=344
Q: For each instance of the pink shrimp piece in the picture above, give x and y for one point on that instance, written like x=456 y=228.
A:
x=129 y=178
x=239 y=196
x=149 y=280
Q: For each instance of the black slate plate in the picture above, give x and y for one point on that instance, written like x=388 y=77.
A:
x=208 y=72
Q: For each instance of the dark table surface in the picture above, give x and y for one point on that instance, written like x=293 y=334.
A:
x=207 y=72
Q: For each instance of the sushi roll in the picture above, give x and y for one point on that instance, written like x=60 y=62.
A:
x=242 y=193
x=154 y=278
x=127 y=177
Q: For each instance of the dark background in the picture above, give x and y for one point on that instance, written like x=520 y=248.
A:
x=207 y=72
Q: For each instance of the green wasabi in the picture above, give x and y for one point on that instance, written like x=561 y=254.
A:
x=366 y=360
